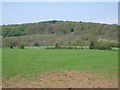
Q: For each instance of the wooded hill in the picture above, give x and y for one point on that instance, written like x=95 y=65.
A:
x=63 y=32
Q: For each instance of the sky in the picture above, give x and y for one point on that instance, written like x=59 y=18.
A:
x=30 y=12
x=60 y=0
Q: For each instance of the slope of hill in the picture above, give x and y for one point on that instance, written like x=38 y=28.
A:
x=62 y=32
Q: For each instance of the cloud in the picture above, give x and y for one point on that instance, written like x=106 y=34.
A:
x=108 y=20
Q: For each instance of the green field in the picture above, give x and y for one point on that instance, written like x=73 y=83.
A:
x=30 y=61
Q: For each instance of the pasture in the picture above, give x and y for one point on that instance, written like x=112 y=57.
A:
x=29 y=63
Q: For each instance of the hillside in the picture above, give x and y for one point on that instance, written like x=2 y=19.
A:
x=62 y=32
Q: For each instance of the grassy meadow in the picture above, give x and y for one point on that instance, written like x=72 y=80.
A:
x=53 y=45
x=32 y=61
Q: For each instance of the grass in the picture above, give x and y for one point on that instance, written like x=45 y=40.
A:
x=31 y=61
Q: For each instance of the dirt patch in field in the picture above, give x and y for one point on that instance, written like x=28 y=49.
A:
x=65 y=79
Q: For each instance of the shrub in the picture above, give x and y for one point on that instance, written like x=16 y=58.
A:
x=104 y=44
x=92 y=45
x=78 y=42
x=57 y=45
x=50 y=48
x=21 y=46
x=82 y=48
x=70 y=47
x=47 y=47
x=75 y=47
x=11 y=47
x=36 y=44
x=103 y=47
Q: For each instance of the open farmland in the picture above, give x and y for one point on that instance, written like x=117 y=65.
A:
x=59 y=45
x=38 y=67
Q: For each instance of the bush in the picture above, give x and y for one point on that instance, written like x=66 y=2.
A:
x=21 y=46
x=57 y=45
x=82 y=48
x=11 y=47
x=92 y=45
x=102 y=44
x=70 y=47
x=75 y=47
x=105 y=44
x=103 y=47
x=36 y=44
x=47 y=47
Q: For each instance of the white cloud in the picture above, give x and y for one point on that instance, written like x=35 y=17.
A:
x=108 y=20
